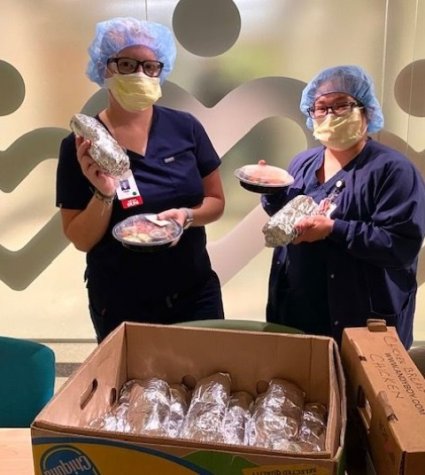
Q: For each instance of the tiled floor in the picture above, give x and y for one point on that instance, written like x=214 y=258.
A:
x=69 y=355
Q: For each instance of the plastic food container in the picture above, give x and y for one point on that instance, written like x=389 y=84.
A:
x=263 y=178
x=144 y=232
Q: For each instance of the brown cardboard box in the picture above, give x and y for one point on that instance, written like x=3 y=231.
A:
x=388 y=393
x=63 y=443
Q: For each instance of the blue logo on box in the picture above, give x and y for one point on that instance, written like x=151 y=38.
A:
x=65 y=460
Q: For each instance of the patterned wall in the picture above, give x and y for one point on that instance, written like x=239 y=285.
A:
x=240 y=69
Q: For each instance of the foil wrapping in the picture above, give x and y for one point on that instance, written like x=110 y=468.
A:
x=313 y=427
x=148 y=407
x=236 y=418
x=277 y=415
x=114 y=420
x=207 y=409
x=179 y=398
x=277 y=419
x=280 y=228
x=104 y=149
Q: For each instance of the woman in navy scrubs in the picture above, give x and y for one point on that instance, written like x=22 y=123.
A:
x=359 y=261
x=174 y=173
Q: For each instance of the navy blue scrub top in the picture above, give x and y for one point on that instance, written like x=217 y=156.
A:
x=179 y=155
x=366 y=268
x=306 y=304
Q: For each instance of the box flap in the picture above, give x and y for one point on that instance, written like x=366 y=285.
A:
x=337 y=392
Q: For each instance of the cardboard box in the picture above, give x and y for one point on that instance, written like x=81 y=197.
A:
x=387 y=392
x=64 y=444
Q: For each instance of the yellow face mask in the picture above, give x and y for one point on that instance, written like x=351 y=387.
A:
x=134 y=92
x=340 y=133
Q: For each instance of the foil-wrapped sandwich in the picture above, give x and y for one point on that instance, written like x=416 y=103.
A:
x=115 y=419
x=104 y=149
x=149 y=407
x=236 y=418
x=179 y=402
x=143 y=407
x=207 y=409
x=312 y=432
x=277 y=416
x=280 y=228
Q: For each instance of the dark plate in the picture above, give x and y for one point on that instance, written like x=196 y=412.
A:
x=140 y=234
x=261 y=188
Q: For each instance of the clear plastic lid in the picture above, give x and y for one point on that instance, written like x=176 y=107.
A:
x=264 y=175
x=145 y=230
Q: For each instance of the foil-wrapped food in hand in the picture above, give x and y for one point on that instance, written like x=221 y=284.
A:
x=280 y=228
x=104 y=149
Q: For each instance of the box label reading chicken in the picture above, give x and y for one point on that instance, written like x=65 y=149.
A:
x=400 y=377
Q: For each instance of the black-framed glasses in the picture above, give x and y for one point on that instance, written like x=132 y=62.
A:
x=129 y=66
x=338 y=109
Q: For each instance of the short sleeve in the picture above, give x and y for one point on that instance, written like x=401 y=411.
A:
x=207 y=157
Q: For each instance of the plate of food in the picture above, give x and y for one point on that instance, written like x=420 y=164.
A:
x=145 y=232
x=263 y=178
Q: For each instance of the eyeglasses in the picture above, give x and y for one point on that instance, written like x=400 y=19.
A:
x=129 y=66
x=340 y=109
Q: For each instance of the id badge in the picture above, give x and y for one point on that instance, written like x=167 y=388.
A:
x=127 y=191
x=327 y=207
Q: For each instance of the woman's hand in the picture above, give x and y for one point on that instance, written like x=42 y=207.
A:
x=313 y=228
x=91 y=170
x=178 y=214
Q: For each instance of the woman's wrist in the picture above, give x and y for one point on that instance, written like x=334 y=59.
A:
x=189 y=217
x=108 y=199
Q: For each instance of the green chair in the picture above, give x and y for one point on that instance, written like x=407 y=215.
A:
x=27 y=380
x=249 y=325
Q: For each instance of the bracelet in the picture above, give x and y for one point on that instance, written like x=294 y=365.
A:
x=189 y=217
x=104 y=198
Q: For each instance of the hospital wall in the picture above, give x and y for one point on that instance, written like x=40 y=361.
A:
x=241 y=66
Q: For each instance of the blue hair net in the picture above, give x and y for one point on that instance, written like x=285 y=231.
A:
x=351 y=80
x=114 y=35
